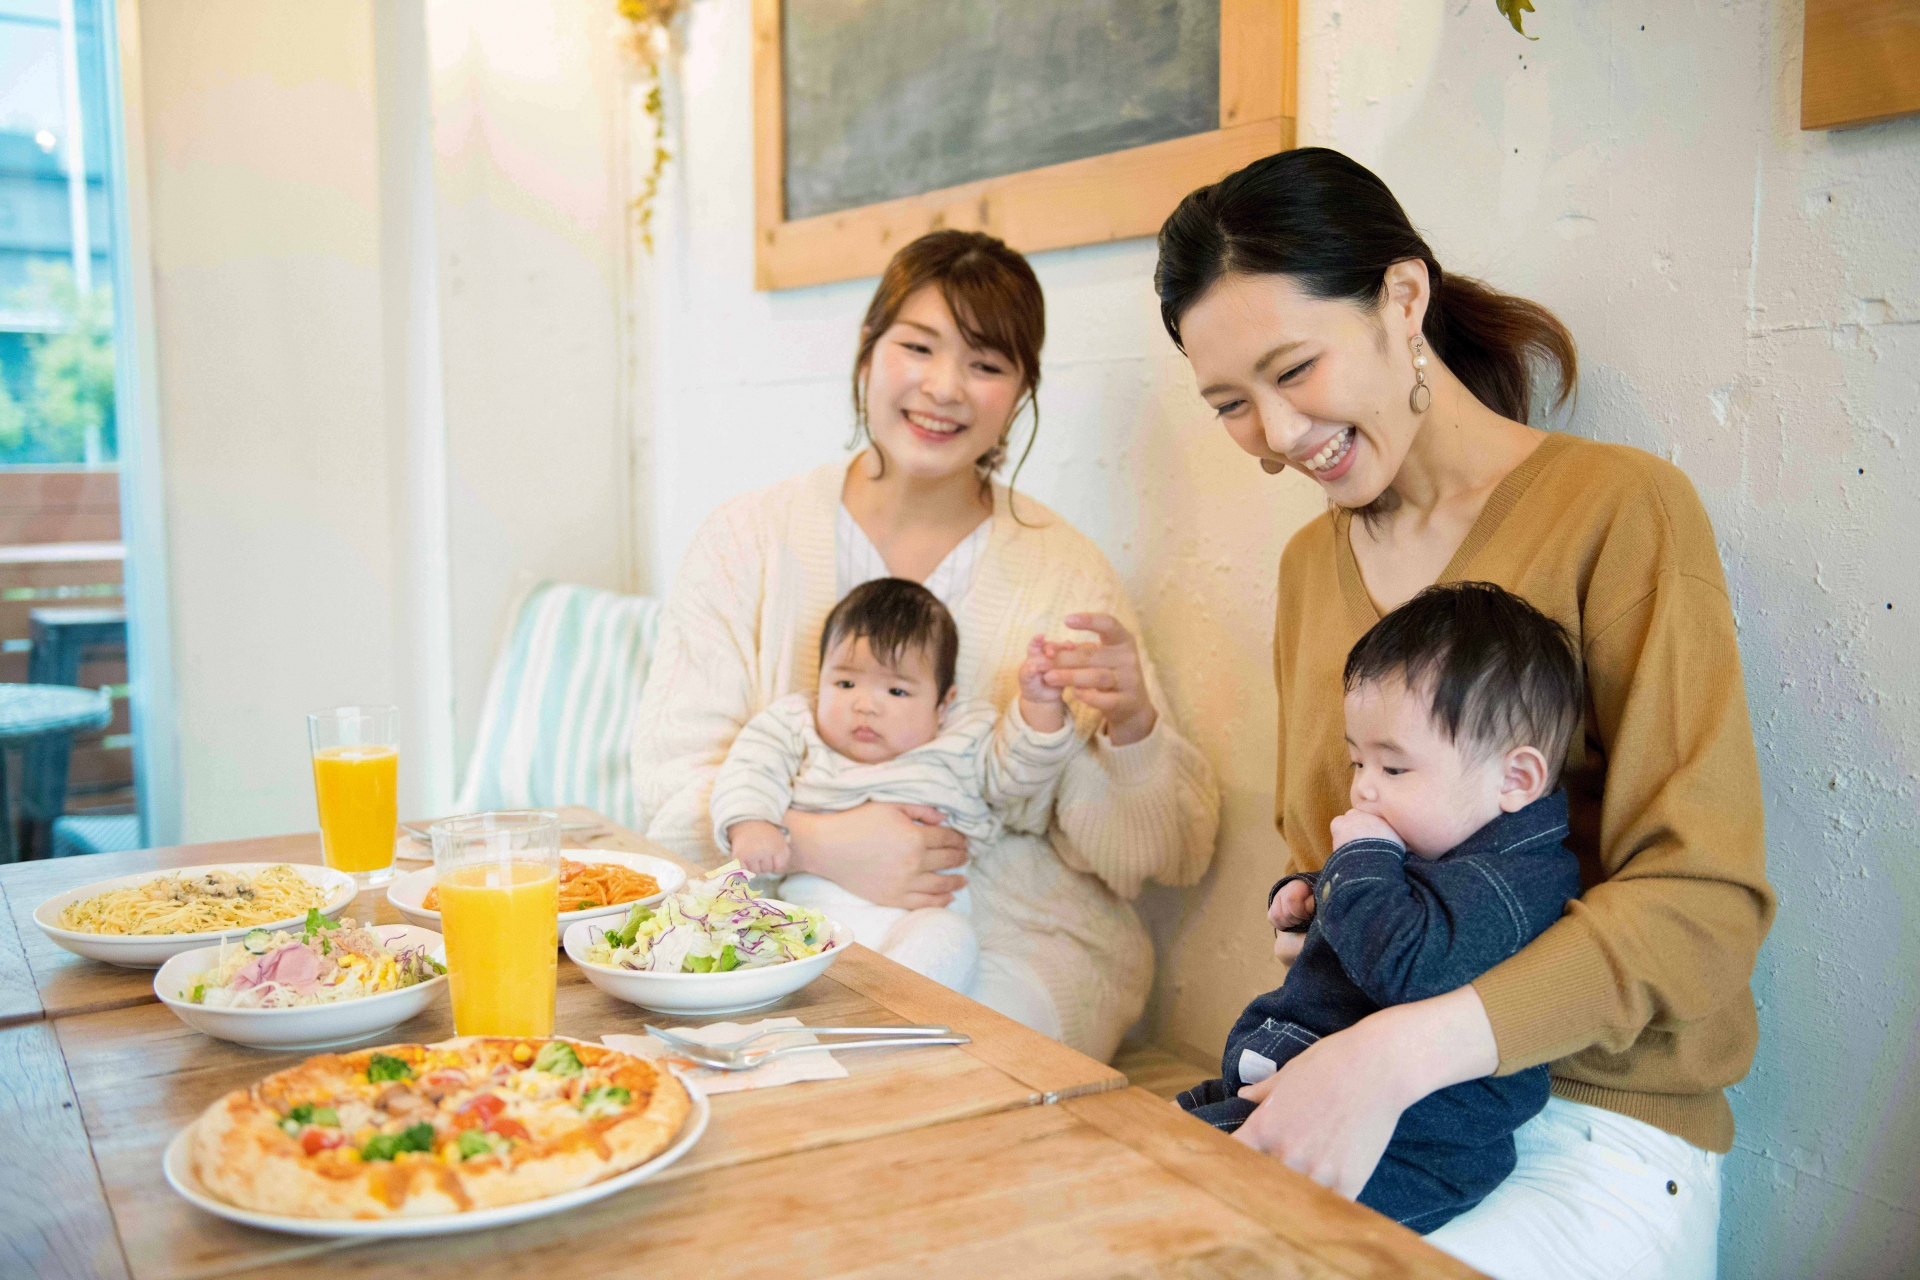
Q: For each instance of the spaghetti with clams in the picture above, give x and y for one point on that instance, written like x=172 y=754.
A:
x=208 y=902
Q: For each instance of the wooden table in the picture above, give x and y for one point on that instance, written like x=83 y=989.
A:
x=1012 y=1155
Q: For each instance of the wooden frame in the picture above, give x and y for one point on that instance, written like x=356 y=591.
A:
x=1117 y=196
x=1860 y=63
x=143 y=518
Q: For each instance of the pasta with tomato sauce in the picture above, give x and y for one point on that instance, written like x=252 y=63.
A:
x=585 y=885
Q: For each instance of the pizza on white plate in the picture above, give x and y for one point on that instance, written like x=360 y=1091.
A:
x=408 y=1130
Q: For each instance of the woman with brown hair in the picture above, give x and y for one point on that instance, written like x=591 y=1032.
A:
x=949 y=355
x=1323 y=332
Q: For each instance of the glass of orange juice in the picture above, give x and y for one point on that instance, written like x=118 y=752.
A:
x=499 y=881
x=356 y=773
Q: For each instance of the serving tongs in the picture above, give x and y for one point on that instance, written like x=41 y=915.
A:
x=740 y=1055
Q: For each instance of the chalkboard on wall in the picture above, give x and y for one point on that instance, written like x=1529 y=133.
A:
x=891 y=98
x=1046 y=122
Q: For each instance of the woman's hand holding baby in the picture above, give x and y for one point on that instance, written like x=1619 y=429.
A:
x=1106 y=675
x=895 y=855
x=1330 y=1111
x=760 y=847
x=1325 y=1114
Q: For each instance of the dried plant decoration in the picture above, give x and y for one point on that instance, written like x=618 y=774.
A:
x=1511 y=10
x=652 y=43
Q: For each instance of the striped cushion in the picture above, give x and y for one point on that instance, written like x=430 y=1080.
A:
x=558 y=722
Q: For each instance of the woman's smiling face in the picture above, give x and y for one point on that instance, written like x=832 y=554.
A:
x=935 y=403
x=1318 y=384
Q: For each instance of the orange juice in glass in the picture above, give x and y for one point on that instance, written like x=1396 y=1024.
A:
x=499 y=881
x=356 y=773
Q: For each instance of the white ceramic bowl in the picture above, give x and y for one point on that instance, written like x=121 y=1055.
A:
x=146 y=951
x=407 y=892
x=702 y=992
x=319 y=1026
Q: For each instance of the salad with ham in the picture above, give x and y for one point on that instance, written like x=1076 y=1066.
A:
x=713 y=925
x=326 y=962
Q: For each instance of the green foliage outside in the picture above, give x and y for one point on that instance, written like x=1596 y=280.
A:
x=65 y=414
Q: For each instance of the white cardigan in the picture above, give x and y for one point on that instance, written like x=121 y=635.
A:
x=741 y=628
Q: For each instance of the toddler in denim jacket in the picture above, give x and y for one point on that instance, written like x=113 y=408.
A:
x=1460 y=706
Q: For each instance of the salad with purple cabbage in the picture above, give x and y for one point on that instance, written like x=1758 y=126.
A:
x=713 y=926
x=326 y=962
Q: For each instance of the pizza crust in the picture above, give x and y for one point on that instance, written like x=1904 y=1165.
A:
x=240 y=1153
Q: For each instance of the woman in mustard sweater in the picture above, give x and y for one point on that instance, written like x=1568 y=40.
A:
x=1329 y=341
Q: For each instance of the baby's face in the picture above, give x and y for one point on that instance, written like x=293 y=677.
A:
x=870 y=712
x=1407 y=773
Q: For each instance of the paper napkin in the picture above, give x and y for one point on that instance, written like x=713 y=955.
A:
x=789 y=1070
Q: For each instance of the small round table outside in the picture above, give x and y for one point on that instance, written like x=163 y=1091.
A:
x=28 y=713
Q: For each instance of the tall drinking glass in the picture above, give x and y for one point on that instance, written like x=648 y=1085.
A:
x=499 y=881
x=356 y=774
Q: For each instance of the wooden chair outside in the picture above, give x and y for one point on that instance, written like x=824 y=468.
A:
x=60 y=548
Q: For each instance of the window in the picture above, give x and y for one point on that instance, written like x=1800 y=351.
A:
x=56 y=304
x=62 y=608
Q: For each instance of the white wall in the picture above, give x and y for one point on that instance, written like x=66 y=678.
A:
x=387 y=241
x=265 y=224
x=532 y=232
x=1747 y=302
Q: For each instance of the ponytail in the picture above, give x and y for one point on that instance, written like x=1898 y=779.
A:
x=1331 y=225
x=1493 y=341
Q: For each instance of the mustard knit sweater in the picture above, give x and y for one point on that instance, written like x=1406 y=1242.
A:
x=1638 y=996
x=741 y=629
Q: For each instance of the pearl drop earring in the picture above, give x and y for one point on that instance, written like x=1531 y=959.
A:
x=1422 y=395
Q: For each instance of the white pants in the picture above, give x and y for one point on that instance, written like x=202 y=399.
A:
x=935 y=941
x=1595 y=1196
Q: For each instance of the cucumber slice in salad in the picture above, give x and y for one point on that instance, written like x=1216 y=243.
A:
x=257 y=941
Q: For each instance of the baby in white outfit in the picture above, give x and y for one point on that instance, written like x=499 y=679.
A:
x=886 y=726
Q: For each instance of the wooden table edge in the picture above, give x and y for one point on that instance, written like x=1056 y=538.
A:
x=1198 y=1154
x=316 y=1247
x=70 y=1112
x=18 y=1004
x=680 y=1169
x=1054 y=1071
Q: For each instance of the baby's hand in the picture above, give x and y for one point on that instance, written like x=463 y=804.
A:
x=1355 y=825
x=1292 y=906
x=761 y=847
x=1033 y=674
x=1041 y=705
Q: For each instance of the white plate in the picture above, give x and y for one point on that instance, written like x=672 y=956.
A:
x=180 y=1176
x=728 y=992
x=148 y=951
x=319 y=1026
x=407 y=892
